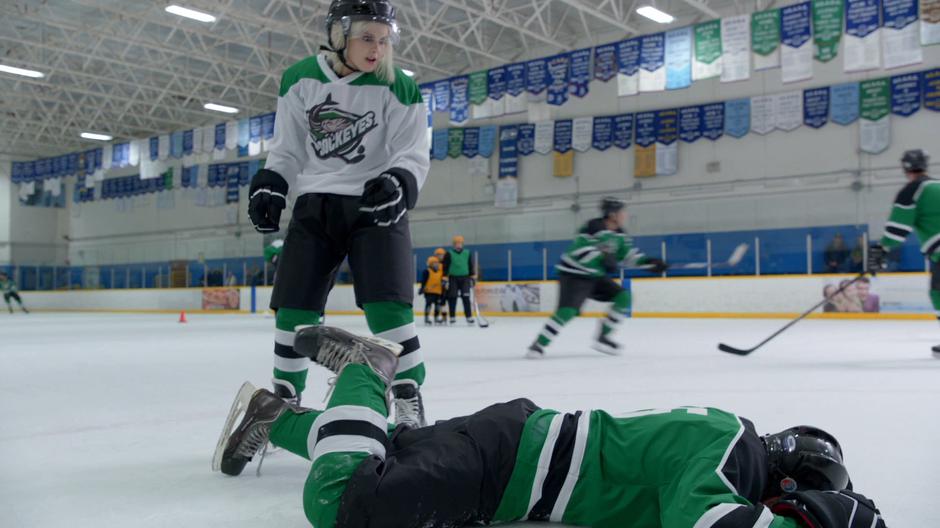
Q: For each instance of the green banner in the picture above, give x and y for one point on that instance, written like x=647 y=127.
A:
x=708 y=41
x=875 y=98
x=479 y=87
x=454 y=142
x=168 y=179
x=765 y=31
x=827 y=28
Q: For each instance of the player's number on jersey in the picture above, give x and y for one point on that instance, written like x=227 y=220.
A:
x=649 y=412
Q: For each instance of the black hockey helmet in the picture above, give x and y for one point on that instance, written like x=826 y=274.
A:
x=915 y=160
x=804 y=458
x=348 y=11
x=610 y=205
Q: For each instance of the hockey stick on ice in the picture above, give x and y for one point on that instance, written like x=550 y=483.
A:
x=743 y=352
x=482 y=322
x=732 y=261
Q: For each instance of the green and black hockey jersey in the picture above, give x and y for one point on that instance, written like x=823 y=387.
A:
x=7 y=286
x=598 y=251
x=917 y=209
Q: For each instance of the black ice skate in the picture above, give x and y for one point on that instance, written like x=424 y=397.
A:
x=427 y=321
x=453 y=320
x=936 y=351
x=409 y=407
x=471 y=321
x=535 y=351
x=334 y=348
x=606 y=345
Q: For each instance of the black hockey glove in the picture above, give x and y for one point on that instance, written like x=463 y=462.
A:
x=267 y=197
x=656 y=265
x=830 y=509
x=877 y=258
x=387 y=198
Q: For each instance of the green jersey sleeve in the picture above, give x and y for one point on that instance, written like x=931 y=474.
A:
x=903 y=214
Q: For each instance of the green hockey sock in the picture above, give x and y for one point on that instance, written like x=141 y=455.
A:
x=395 y=321
x=935 y=301
x=290 y=368
x=554 y=324
x=617 y=312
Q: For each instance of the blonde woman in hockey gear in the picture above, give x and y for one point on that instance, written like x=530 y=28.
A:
x=351 y=147
x=461 y=275
x=916 y=209
x=665 y=468
x=584 y=273
x=432 y=287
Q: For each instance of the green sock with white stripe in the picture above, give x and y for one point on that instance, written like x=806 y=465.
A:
x=290 y=368
x=395 y=321
x=617 y=312
x=554 y=324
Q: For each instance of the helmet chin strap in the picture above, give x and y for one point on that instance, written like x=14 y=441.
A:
x=341 y=54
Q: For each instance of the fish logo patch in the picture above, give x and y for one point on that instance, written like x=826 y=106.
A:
x=337 y=133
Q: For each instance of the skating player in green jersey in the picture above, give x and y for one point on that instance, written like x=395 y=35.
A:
x=916 y=209
x=599 y=250
x=689 y=467
x=8 y=287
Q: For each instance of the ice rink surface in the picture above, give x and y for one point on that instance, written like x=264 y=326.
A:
x=110 y=420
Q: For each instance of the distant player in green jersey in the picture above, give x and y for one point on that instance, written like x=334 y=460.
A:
x=688 y=467
x=461 y=275
x=8 y=287
x=584 y=273
x=917 y=209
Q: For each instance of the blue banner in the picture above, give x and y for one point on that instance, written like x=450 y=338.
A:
x=898 y=14
x=931 y=88
x=56 y=167
x=122 y=154
x=427 y=94
x=905 y=94
x=603 y=132
x=795 y=26
x=738 y=117
x=628 y=56
x=690 y=123
x=844 y=103
x=508 y=155
x=439 y=144
x=580 y=77
x=525 y=141
x=459 y=101
x=558 y=68
x=73 y=162
x=471 y=142
x=623 y=131
x=536 y=76
x=679 y=58
x=862 y=17
x=645 y=128
x=667 y=126
x=816 y=107
x=176 y=144
x=515 y=79
x=187 y=142
x=563 y=131
x=233 y=173
x=219 y=136
x=245 y=171
x=713 y=120
x=99 y=154
x=267 y=126
x=496 y=78
x=244 y=132
x=89 y=162
x=154 y=148
x=605 y=62
x=184 y=176
x=442 y=96
x=488 y=140
x=29 y=171
x=652 y=53
x=16 y=172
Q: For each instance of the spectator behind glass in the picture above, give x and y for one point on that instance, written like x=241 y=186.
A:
x=857 y=258
x=835 y=254
x=870 y=302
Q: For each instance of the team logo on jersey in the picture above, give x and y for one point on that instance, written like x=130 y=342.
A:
x=338 y=133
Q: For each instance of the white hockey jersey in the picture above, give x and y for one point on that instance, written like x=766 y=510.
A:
x=332 y=134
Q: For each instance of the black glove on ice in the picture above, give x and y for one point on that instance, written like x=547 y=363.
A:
x=830 y=509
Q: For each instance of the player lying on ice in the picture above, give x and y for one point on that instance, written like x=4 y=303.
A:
x=681 y=468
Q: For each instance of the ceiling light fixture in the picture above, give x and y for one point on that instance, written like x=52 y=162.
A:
x=655 y=15
x=20 y=71
x=189 y=13
x=96 y=137
x=221 y=108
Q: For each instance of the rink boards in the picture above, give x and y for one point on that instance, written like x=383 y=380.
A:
x=896 y=296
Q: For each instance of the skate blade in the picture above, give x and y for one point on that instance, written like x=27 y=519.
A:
x=531 y=354
x=244 y=395
x=610 y=351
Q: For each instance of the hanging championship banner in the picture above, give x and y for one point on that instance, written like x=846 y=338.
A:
x=690 y=123
x=536 y=76
x=440 y=141
x=602 y=133
x=713 y=121
x=154 y=148
x=827 y=28
x=442 y=96
x=905 y=94
x=765 y=39
x=667 y=145
x=605 y=62
x=508 y=156
x=644 y=164
x=708 y=43
x=543 y=136
x=900 y=38
x=557 y=68
x=874 y=110
x=488 y=140
x=844 y=103
x=478 y=89
x=231 y=135
x=736 y=48
x=163 y=144
x=459 y=102
x=427 y=93
x=862 y=35
x=244 y=135
x=628 y=67
x=220 y=140
x=254 y=131
x=267 y=126
x=929 y=22
x=816 y=107
x=623 y=131
x=197 y=138
x=582 y=135
x=737 y=117
x=471 y=142
x=580 y=75
x=496 y=87
x=762 y=114
x=796 y=53
x=454 y=142
x=208 y=138
x=562 y=135
x=930 y=84
x=516 y=100
x=526 y=139
x=788 y=110
x=107 y=157
x=679 y=58
x=652 y=63
x=89 y=162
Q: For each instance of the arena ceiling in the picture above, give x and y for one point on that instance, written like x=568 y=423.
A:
x=130 y=69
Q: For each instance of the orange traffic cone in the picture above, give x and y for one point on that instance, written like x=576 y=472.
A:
x=183 y=316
